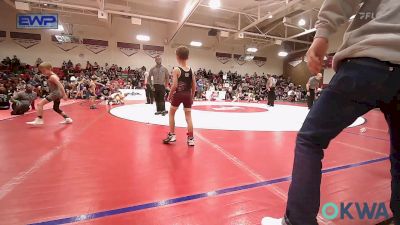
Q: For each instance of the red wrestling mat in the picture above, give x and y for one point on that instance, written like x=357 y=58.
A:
x=104 y=170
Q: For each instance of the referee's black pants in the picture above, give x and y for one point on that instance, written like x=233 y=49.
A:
x=271 y=96
x=149 y=94
x=159 y=94
x=311 y=98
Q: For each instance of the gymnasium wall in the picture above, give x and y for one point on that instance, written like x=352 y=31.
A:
x=121 y=30
x=298 y=74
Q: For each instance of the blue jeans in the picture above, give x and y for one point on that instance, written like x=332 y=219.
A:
x=360 y=85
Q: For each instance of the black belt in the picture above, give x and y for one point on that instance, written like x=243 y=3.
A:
x=365 y=61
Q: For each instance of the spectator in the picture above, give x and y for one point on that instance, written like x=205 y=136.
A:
x=6 y=61
x=38 y=61
x=199 y=89
x=22 y=100
x=4 y=99
x=88 y=66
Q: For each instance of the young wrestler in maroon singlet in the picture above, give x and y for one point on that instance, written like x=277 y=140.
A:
x=182 y=91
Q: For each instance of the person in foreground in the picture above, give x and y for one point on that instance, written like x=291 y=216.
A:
x=57 y=93
x=182 y=91
x=367 y=76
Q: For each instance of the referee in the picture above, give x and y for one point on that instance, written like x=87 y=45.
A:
x=160 y=76
x=271 y=84
x=312 y=85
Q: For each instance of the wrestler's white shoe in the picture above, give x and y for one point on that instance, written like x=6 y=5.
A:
x=67 y=121
x=272 y=221
x=190 y=141
x=37 y=121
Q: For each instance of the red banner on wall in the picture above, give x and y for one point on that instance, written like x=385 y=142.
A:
x=260 y=61
x=223 y=57
x=239 y=59
x=153 y=50
x=95 y=46
x=26 y=40
x=128 y=49
x=65 y=43
x=296 y=61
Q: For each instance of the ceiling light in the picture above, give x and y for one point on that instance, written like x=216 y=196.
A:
x=270 y=17
x=196 y=43
x=45 y=4
x=252 y=49
x=214 y=4
x=283 y=54
x=141 y=37
x=302 y=22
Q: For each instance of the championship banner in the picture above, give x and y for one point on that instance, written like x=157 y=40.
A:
x=95 y=46
x=128 y=49
x=296 y=61
x=153 y=50
x=239 y=59
x=2 y=36
x=65 y=43
x=223 y=57
x=328 y=60
x=26 y=40
x=260 y=61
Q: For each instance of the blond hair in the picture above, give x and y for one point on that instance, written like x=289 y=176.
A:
x=45 y=65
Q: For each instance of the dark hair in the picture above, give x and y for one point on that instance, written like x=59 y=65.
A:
x=182 y=52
